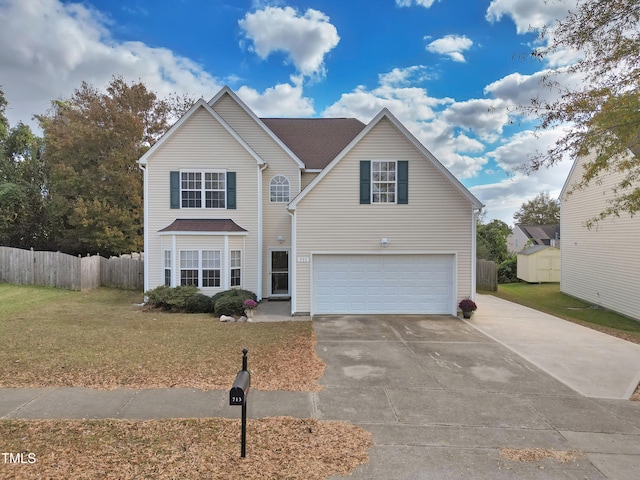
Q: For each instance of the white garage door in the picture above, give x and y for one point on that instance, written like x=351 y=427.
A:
x=383 y=284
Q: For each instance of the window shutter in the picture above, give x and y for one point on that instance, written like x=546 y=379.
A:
x=231 y=190
x=174 y=189
x=403 y=182
x=365 y=182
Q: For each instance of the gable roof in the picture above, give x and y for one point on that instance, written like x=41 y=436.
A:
x=316 y=141
x=227 y=91
x=386 y=114
x=176 y=126
x=541 y=234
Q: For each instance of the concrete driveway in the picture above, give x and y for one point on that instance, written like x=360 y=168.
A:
x=442 y=399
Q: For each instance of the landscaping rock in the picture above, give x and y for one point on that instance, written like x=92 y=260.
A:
x=227 y=318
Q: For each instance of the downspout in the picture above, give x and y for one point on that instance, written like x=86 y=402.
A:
x=475 y=214
x=261 y=168
x=294 y=262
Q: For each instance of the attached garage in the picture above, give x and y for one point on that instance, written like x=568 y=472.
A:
x=383 y=283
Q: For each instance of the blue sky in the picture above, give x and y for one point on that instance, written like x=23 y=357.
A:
x=448 y=69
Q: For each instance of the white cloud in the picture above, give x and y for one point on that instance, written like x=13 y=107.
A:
x=404 y=76
x=305 y=39
x=485 y=117
x=408 y=3
x=284 y=100
x=48 y=48
x=421 y=114
x=504 y=198
x=451 y=45
x=528 y=14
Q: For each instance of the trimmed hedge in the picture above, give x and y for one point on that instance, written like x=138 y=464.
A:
x=188 y=299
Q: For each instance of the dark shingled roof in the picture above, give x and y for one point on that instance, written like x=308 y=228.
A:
x=204 y=225
x=541 y=234
x=316 y=141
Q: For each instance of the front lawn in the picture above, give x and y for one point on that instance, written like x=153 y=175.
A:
x=546 y=297
x=100 y=339
x=279 y=447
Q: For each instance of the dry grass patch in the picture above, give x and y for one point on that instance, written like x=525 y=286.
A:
x=280 y=447
x=100 y=339
x=636 y=395
x=538 y=454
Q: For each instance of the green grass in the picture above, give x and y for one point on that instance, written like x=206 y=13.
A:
x=101 y=339
x=547 y=298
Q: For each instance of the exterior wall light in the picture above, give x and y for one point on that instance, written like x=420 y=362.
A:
x=280 y=239
x=384 y=242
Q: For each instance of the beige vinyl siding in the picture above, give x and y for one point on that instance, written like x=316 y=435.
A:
x=601 y=265
x=276 y=220
x=437 y=219
x=201 y=143
x=307 y=178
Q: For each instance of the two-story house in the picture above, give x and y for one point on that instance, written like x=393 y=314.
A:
x=338 y=216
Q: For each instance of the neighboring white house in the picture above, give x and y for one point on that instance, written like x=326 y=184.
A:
x=539 y=264
x=340 y=216
x=524 y=236
x=600 y=265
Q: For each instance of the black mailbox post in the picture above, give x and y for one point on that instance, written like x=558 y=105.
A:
x=238 y=396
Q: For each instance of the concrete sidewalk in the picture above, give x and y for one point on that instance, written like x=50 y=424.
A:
x=590 y=362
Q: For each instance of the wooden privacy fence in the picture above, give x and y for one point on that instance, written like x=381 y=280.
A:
x=486 y=275
x=55 y=269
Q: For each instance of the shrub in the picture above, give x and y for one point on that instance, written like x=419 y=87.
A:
x=508 y=270
x=171 y=299
x=232 y=305
x=231 y=302
x=199 y=303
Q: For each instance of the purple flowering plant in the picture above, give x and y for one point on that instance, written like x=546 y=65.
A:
x=467 y=305
x=249 y=303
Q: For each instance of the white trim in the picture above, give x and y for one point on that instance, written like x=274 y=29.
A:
x=174 y=246
x=385 y=113
x=288 y=185
x=203 y=190
x=261 y=169
x=176 y=126
x=293 y=275
x=201 y=268
x=227 y=279
x=395 y=182
x=248 y=111
x=474 y=224
x=454 y=273
x=231 y=268
x=145 y=223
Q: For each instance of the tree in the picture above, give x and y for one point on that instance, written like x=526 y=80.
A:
x=491 y=241
x=542 y=210
x=92 y=143
x=23 y=186
x=603 y=110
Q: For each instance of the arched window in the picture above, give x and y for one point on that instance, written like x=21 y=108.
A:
x=279 y=189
